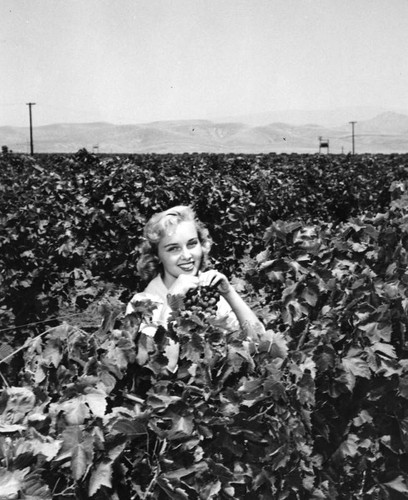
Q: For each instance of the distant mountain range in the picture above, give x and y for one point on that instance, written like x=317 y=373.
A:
x=385 y=133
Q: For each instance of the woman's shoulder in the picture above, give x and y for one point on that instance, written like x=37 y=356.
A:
x=155 y=292
x=156 y=287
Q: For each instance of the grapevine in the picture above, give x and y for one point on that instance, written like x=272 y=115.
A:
x=317 y=411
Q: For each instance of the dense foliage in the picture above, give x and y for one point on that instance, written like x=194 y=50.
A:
x=69 y=221
x=316 y=244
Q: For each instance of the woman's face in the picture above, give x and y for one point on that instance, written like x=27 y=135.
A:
x=180 y=252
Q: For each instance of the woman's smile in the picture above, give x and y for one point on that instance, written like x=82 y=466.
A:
x=187 y=266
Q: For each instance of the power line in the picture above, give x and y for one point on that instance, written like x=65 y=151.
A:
x=30 y=104
x=352 y=135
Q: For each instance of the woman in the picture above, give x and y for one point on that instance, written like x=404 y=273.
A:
x=174 y=258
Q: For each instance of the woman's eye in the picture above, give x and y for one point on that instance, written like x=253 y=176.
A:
x=192 y=244
x=172 y=249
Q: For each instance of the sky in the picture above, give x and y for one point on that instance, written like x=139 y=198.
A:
x=136 y=61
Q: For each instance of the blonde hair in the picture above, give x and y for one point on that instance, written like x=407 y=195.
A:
x=159 y=225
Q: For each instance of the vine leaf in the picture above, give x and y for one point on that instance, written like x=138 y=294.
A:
x=11 y=482
x=19 y=402
x=375 y=333
x=75 y=410
x=398 y=484
x=101 y=476
x=404 y=432
x=130 y=428
x=349 y=447
x=48 y=449
x=77 y=447
x=354 y=367
x=96 y=400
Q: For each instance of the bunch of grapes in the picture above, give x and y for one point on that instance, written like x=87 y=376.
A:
x=202 y=300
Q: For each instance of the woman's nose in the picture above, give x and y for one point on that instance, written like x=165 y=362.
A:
x=186 y=254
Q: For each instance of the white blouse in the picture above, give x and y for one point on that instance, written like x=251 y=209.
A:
x=157 y=292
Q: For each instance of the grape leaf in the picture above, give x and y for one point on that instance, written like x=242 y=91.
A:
x=354 y=367
x=100 y=476
x=398 y=484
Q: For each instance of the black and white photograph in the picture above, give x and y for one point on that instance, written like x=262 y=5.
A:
x=204 y=249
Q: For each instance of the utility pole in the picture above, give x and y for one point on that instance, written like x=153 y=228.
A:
x=352 y=135
x=30 y=104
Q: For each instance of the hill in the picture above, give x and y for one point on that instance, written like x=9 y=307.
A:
x=385 y=133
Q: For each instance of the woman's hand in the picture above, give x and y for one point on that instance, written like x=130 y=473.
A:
x=183 y=284
x=215 y=278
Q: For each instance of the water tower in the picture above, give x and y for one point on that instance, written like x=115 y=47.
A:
x=323 y=144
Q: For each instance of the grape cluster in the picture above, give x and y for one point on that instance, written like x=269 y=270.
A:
x=202 y=300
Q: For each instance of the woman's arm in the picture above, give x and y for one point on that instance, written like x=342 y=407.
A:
x=246 y=317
